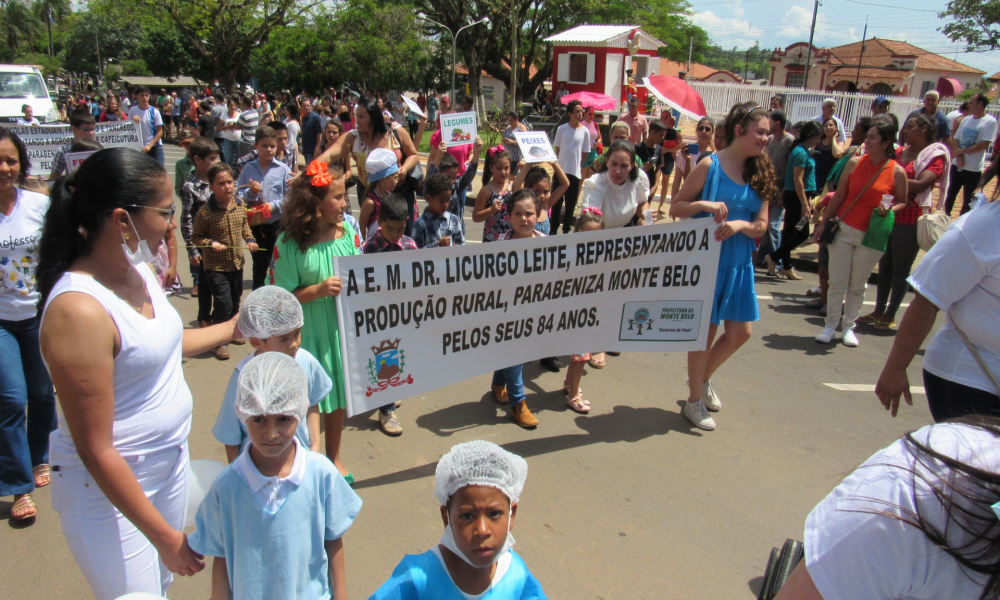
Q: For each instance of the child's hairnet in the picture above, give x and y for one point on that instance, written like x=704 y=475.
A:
x=479 y=463
x=270 y=311
x=272 y=383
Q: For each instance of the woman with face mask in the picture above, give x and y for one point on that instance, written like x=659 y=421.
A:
x=113 y=345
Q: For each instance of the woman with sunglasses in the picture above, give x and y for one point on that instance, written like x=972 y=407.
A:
x=704 y=133
x=113 y=345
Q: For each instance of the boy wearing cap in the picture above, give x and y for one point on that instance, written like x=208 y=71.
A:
x=880 y=106
x=271 y=318
x=275 y=517
x=478 y=485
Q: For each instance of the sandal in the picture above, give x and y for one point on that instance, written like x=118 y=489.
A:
x=871 y=318
x=43 y=475
x=578 y=404
x=885 y=325
x=613 y=353
x=595 y=362
x=24 y=505
x=566 y=388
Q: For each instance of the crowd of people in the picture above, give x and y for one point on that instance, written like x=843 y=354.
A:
x=99 y=257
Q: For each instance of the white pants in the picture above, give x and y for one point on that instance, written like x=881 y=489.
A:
x=850 y=265
x=115 y=557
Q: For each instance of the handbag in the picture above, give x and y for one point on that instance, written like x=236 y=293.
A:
x=833 y=225
x=879 y=229
x=415 y=178
x=930 y=228
x=779 y=566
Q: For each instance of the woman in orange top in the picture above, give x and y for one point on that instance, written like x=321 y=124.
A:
x=850 y=262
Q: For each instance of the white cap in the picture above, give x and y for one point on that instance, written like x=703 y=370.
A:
x=479 y=463
x=272 y=383
x=270 y=311
x=380 y=164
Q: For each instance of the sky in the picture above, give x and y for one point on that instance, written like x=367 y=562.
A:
x=777 y=23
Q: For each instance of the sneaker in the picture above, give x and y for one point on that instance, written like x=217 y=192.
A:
x=500 y=394
x=827 y=335
x=389 y=424
x=522 y=416
x=850 y=340
x=709 y=398
x=696 y=413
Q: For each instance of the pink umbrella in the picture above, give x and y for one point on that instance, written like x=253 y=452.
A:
x=592 y=100
x=677 y=93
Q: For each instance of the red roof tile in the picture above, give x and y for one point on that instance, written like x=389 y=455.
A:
x=879 y=52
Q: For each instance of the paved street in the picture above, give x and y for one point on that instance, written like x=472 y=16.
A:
x=629 y=502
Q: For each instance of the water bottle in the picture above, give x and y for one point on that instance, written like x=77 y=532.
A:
x=802 y=223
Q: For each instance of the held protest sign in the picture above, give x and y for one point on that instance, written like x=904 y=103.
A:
x=43 y=142
x=458 y=129
x=414 y=107
x=75 y=159
x=412 y=322
x=535 y=146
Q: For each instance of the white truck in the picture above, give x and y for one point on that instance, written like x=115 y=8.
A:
x=24 y=84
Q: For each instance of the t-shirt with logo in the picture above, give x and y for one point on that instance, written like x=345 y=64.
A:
x=19 y=236
x=149 y=120
x=971 y=132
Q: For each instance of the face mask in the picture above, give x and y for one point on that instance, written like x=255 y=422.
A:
x=142 y=253
x=448 y=541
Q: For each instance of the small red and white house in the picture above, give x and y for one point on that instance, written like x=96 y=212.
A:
x=595 y=58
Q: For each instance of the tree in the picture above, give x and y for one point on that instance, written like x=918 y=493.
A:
x=97 y=34
x=166 y=53
x=224 y=33
x=976 y=22
x=670 y=22
x=20 y=26
x=52 y=12
x=50 y=65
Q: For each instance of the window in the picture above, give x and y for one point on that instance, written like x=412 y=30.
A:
x=882 y=89
x=489 y=92
x=578 y=68
x=795 y=79
x=926 y=87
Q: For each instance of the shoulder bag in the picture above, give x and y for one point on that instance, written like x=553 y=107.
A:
x=930 y=228
x=415 y=177
x=976 y=355
x=833 y=225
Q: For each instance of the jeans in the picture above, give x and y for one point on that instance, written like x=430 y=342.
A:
x=157 y=153
x=231 y=150
x=27 y=406
x=850 y=265
x=511 y=377
x=204 y=295
x=227 y=289
x=266 y=236
x=790 y=236
x=963 y=180
x=894 y=267
x=948 y=400
x=570 y=198
x=772 y=239
x=542 y=227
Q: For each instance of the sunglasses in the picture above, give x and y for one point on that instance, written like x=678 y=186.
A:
x=165 y=211
x=705 y=129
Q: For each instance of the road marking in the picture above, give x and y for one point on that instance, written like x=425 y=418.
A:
x=866 y=387
x=767 y=297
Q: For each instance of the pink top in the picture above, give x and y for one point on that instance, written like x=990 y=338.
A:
x=461 y=153
x=595 y=138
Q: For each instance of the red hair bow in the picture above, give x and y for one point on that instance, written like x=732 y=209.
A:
x=594 y=210
x=318 y=171
x=496 y=149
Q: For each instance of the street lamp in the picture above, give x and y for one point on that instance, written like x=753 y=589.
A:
x=454 y=45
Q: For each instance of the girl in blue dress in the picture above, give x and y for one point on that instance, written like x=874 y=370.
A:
x=734 y=188
x=478 y=485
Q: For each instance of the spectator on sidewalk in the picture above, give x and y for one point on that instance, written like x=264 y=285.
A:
x=930 y=110
x=638 y=126
x=968 y=149
x=830 y=112
x=778 y=148
x=880 y=106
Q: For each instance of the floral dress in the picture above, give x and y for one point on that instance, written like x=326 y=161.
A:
x=498 y=224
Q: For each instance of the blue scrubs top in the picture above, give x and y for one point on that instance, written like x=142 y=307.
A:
x=280 y=555
x=230 y=431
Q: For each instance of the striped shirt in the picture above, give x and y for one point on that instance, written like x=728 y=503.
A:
x=248 y=121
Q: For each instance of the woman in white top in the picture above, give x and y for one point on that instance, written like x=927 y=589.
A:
x=27 y=401
x=619 y=188
x=113 y=345
x=293 y=125
x=913 y=522
x=231 y=136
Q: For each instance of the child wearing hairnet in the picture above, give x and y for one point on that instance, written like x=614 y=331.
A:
x=274 y=518
x=271 y=318
x=478 y=485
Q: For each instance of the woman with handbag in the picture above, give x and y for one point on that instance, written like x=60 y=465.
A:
x=926 y=162
x=960 y=276
x=863 y=184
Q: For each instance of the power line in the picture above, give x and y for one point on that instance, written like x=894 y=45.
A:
x=892 y=7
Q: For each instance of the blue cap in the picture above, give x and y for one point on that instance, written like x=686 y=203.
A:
x=880 y=100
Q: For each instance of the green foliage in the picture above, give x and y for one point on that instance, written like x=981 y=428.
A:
x=20 y=28
x=135 y=67
x=976 y=22
x=166 y=53
x=112 y=74
x=117 y=37
x=735 y=60
x=49 y=65
x=670 y=22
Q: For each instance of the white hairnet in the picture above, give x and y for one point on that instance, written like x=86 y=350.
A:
x=269 y=311
x=479 y=463
x=272 y=383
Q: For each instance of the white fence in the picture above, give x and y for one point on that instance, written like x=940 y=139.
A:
x=801 y=105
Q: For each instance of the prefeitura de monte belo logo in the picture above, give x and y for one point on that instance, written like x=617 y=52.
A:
x=386 y=369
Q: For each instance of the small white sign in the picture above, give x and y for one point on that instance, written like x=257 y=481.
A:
x=414 y=107
x=459 y=129
x=535 y=146
x=75 y=159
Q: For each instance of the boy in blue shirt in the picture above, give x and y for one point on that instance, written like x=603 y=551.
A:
x=264 y=182
x=478 y=485
x=272 y=318
x=446 y=164
x=274 y=519
x=438 y=226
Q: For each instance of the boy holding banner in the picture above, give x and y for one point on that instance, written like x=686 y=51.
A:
x=84 y=127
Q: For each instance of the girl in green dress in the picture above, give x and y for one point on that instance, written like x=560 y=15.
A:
x=313 y=232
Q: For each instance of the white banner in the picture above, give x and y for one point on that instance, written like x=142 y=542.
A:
x=43 y=142
x=458 y=129
x=535 y=146
x=417 y=321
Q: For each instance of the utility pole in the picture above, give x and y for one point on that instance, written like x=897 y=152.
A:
x=812 y=33
x=514 y=57
x=746 y=66
x=690 y=53
x=861 y=57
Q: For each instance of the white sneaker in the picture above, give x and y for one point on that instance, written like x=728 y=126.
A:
x=850 y=340
x=708 y=397
x=696 y=413
x=827 y=335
